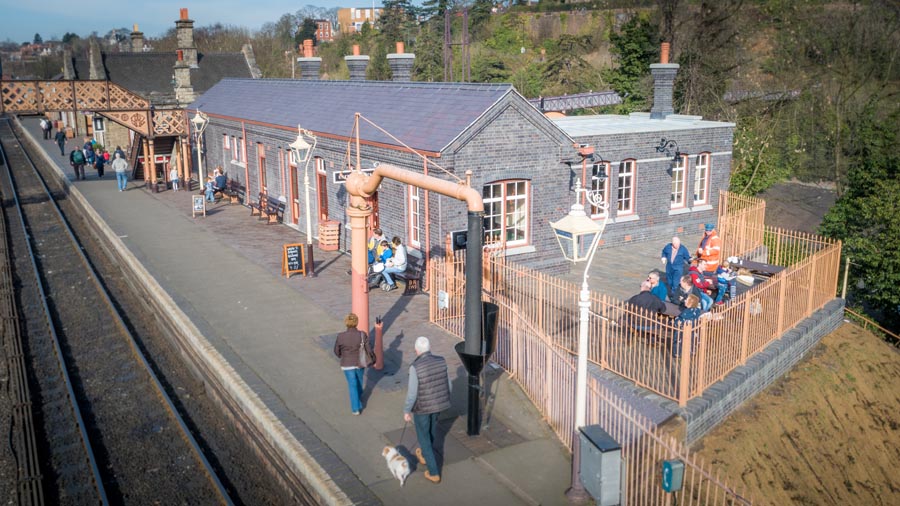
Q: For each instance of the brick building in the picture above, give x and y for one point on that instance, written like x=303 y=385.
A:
x=324 y=31
x=351 y=19
x=524 y=163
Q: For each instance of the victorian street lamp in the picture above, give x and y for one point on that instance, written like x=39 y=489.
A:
x=200 y=122
x=302 y=152
x=578 y=237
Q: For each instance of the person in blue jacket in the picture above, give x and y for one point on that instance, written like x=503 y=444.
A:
x=674 y=256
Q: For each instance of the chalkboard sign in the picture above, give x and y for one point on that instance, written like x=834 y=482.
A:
x=293 y=259
x=199 y=205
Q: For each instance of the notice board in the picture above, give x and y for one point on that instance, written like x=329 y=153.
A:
x=198 y=205
x=293 y=259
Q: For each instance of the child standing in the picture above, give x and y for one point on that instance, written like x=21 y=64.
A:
x=173 y=176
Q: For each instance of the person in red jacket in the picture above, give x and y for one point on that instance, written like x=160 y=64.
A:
x=703 y=283
x=710 y=248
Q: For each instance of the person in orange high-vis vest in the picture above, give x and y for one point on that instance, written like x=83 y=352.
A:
x=710 y=247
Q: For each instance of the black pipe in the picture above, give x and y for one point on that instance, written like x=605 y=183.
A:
x=473 y=420
x=473 y=283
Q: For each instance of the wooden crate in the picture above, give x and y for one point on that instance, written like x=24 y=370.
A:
x=329 y=235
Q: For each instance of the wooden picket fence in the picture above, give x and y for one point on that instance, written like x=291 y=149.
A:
x=546 y=372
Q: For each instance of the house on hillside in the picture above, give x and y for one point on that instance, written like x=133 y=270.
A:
x=524 y=163
x=168 y=80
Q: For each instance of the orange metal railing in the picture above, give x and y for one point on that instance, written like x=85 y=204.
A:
x=741 y=223
x=546 y=372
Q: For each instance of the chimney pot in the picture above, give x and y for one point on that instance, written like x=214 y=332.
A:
x=135 y=28
x=184 y=13
x=180 y=55
x=400 y=47
x=307 y=48
x=355 y=49
x=664 y=53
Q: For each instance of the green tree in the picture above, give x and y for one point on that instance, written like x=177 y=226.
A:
x=635 y=47
x=566 y=71
x=489 y=67
x=38 y=39
x=867 y=218
x=307 y=30
x=429 y=64
x=69 y=38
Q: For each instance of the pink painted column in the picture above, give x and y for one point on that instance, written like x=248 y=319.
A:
x=359 y=212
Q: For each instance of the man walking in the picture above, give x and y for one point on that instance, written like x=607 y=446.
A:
x=61 y=142
x=76 y=160
x=428 y=394
x=120 y=166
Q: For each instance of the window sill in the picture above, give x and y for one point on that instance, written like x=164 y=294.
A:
x=680 y=210
x=520 y=250
x=704 y=207
x=239 y=164
x=626 y=218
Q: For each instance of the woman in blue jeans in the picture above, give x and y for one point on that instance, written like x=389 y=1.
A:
x=346 y=348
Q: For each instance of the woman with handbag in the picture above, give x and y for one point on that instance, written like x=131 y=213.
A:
x=353 y=350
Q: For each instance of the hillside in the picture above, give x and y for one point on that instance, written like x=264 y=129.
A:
x=826 y=433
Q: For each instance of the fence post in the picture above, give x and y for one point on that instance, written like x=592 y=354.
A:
x=604 y=332
x=684 y=382
x=782 y=288
x=701 y=354
x=745 y=330
x=810 y=301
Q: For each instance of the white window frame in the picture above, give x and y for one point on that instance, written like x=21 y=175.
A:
x=415 y=217
x=497 y=194
x=597 y=213
x=701 y=179
x=677 y=200
x=226 y=148
x=627 y=180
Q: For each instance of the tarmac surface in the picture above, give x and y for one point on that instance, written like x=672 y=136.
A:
x=224 y=272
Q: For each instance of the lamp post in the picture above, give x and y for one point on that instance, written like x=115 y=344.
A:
x=579 y=237
x=200 y=122
x=302 y=152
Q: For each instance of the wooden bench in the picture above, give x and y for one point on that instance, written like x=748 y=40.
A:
x=412 y=276
x=257 y=207
x=235 y=193
x=272 y=211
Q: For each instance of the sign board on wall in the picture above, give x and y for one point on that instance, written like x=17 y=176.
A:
x=341 y=176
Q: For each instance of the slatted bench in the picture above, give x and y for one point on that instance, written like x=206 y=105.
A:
x=273 y=211
x=256 y=208
x=235 y=193
x=412 y=276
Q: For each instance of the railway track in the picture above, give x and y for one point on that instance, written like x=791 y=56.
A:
x=113 y=433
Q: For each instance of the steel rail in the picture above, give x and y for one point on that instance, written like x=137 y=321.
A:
x=170 y=406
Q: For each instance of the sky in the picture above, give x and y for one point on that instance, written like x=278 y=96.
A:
x=21 y=19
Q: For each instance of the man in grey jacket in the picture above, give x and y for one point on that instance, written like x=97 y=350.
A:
x=427 y=396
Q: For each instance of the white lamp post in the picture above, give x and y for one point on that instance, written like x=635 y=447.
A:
x=579 y=236
x=200 y=122
x=302 y=152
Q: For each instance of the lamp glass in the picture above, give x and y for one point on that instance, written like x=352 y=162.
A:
x=301 y=149
x=576 y=234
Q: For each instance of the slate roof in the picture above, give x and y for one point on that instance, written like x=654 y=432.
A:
x=425 y=116
x=150 y=74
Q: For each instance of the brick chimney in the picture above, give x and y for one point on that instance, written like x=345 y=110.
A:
x=96 y=60
x=309 y=64
x=184 y=33
x=401 y=64
x=184 y=90
x=357 y=64
x=137 y=40
x=663 y=80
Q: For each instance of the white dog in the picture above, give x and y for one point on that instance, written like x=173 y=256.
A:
x=397 y=463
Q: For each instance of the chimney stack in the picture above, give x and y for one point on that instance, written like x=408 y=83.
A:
x=184 y=33
x=663 y=83
x=96 y=61
x=137 y=40
x=357 y=64
x=401 y=64
x=309 y=64
x=184 y=90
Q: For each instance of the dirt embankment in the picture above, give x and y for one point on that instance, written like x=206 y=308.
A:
x=826 y=433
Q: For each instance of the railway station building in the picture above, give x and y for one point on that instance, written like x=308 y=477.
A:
x=525 y=164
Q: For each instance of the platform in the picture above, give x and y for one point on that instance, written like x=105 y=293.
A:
x=223 y=271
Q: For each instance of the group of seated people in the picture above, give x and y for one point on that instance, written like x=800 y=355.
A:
x=217 y=182
x=385 y=258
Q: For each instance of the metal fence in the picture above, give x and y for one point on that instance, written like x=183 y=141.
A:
x=546 y=372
